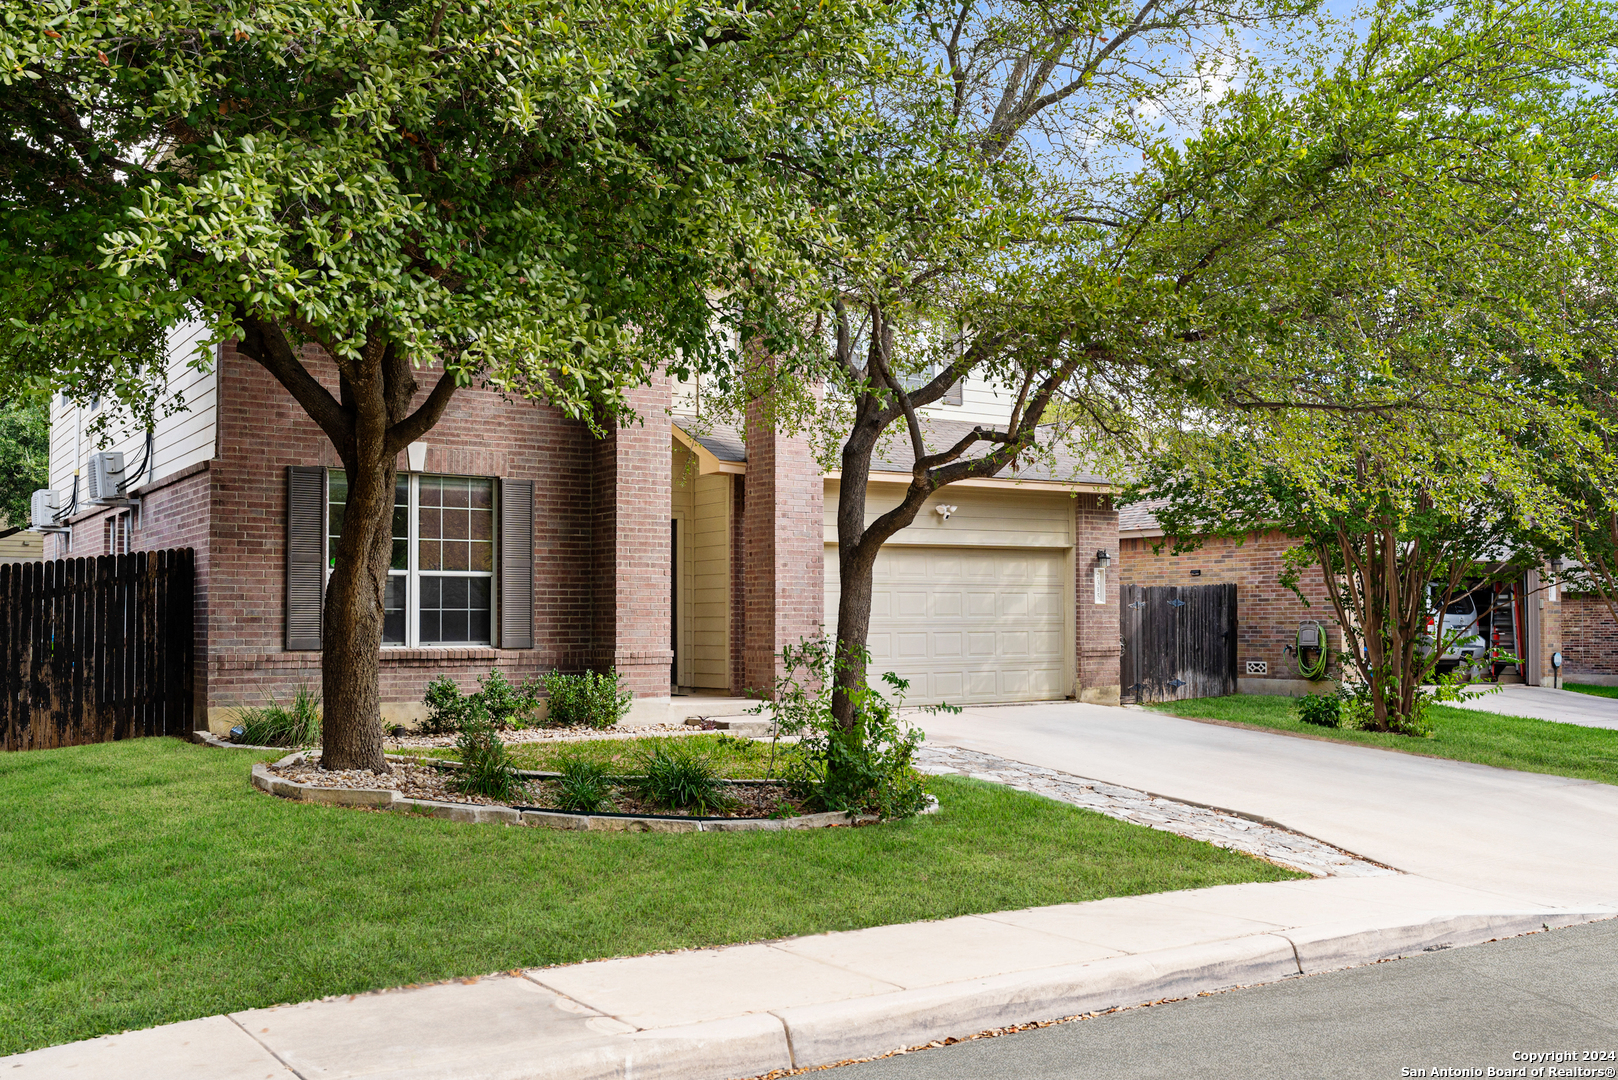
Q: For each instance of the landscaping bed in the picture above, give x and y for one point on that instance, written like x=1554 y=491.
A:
x=434 y=782
x=1485 y=738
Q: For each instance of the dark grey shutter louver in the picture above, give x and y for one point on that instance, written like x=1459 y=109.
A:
x=516 y=564
x=306 y=536
x=952 y=396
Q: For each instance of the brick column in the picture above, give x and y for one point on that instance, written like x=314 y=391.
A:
x=631 y=511
x=1096 y=659
x=783 y=548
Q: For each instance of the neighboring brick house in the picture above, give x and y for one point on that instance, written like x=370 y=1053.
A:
x=684 y=560
x=1589 y=641
x=1268 y=614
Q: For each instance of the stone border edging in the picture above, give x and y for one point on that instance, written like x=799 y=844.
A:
x=388 y=799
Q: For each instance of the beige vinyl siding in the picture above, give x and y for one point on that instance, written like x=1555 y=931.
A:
x=182 y=438
x=21 y=546
x=980 y=403
x=983 y=517
x=702 y=506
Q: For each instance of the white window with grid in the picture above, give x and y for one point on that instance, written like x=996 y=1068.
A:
x=441 y=589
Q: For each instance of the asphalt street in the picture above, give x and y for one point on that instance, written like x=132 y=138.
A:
x=1457 y=1010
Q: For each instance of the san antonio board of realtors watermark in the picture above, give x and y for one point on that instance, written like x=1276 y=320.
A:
x=1531 y=1063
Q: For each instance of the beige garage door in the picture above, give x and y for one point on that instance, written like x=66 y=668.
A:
x=967 y=625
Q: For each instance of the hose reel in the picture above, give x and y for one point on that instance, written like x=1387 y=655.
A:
x=1311 y=650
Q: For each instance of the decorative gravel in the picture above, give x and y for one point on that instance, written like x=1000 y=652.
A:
x=1281 y=846
x=411 y=781
x=750 y=800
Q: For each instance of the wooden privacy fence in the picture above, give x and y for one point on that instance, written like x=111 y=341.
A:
x=96 y=649
x=1179 y=641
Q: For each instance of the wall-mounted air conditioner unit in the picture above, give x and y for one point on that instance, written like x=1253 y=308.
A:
x=106 y=471
x=43 y=508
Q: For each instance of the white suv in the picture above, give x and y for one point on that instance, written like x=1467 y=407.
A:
x=1461 y=631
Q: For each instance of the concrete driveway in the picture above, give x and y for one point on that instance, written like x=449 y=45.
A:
x=1544 y=703
x=1527 y=837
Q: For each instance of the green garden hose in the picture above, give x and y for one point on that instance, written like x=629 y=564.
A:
x=1315 y=669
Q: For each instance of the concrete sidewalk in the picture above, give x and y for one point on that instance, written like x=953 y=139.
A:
x=713 y=1014
x=1548 y=703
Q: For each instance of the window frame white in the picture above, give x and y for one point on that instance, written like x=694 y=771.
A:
x=413 y=573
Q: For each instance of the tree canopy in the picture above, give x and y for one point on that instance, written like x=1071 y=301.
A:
x=540 y=197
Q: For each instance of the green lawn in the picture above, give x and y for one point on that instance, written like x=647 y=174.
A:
x=1591 y=688
x=147 y=882
x=1510 y=742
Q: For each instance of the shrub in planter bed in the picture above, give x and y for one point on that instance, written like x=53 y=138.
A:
x=593 y=699
x=281 y=725
x=504 y=706
x=680 y=780
x=865 y=769
x=486 y=767
x=585 y=787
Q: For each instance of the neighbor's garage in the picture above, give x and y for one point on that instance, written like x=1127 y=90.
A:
x=976 y=608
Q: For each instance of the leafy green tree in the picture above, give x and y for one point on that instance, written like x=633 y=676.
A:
x=25 y=448
x=384 y=203
x=998 y=224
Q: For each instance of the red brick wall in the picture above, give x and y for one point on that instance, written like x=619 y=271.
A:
x=1096 y=641
x=738 y=585
x=1267 y=614
x=632 y=482
x=1589 y=638
x=783 y=548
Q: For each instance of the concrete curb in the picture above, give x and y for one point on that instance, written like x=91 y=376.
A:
x=474 y=813
x=516 y=1027
x=872 y=1026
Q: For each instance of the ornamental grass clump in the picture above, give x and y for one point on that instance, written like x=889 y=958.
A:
x=679 y=779
x=486 y=766
x=585 y=787
x=281 y=725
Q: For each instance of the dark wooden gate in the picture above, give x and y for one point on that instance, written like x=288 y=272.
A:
x=96 y=649
x=1179 y=641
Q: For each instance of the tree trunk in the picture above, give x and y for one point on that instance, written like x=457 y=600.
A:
x=856 y=566
x=351 y=629
x=369 y=423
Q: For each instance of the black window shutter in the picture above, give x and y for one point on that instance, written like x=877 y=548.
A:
x=516 y=564
x=306 y=542
x=952 y=396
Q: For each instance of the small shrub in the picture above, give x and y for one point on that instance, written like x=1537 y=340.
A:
x=486 y=767
x=593 y=699
x=280 y=725
x=504 y=706
x=867 y=768
x=585 y=787
x=508 y=706
x=680 y=780
x=447 y=707
x=1321 y=710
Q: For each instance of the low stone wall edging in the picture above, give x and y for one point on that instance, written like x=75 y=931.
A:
x=388 y=799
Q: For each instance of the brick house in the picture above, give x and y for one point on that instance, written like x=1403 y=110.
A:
x=683 y=555
x=1268 y=615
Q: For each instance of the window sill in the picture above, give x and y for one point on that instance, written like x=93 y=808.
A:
x=395 y=654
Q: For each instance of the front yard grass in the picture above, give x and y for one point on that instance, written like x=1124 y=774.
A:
x=1509 y=742
x=145 y=882
x=1591 y=688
